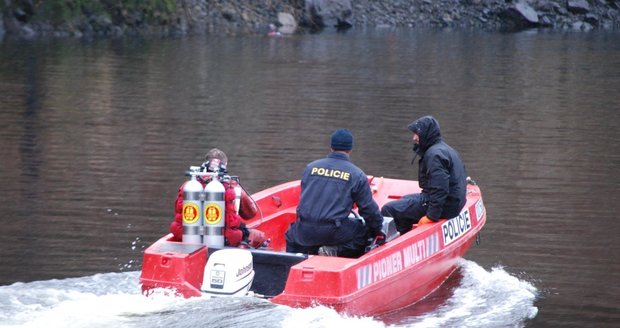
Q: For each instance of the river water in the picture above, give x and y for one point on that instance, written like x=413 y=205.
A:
x=95 y=138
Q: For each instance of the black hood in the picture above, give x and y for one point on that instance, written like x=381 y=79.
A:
x=427 y=128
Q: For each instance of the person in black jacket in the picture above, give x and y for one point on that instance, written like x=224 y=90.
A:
x=329 y=188
x=441 y=176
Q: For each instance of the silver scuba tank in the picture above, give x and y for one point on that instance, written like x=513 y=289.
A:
x=214 y=213
x=192 y=210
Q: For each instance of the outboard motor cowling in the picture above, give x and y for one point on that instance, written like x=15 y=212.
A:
x=229 y=272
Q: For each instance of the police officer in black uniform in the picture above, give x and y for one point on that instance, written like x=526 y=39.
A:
x=329 y=188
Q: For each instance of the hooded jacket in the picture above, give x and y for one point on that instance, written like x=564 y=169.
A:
x=441 y=173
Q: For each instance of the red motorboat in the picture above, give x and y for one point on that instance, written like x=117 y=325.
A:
x=395 y=275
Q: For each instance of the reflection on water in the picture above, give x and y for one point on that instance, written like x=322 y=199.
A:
x=95 y=139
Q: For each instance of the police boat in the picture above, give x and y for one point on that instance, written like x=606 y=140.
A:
x=394 y=275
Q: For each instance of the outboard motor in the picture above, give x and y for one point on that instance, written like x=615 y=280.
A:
x=192 y=209
x=214 y=213
x=229 y=272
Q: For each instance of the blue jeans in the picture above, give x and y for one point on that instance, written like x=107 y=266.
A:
x=406 y=211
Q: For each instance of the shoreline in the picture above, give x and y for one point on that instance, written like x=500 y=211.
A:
x=23 y=20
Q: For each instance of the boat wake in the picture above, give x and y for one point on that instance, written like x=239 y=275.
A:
x=471 y=297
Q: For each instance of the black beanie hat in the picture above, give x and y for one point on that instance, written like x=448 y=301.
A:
x=342 y=139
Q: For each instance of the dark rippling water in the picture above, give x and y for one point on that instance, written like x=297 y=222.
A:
x=95 y=138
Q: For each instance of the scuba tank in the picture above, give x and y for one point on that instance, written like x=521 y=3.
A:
x=192 y=209
x=214 y=213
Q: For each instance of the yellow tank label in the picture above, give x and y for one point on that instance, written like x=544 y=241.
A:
x=213 y=214
x=190 y=213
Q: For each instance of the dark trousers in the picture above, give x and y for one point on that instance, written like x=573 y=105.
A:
x=350 y=237
x=406 y=211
